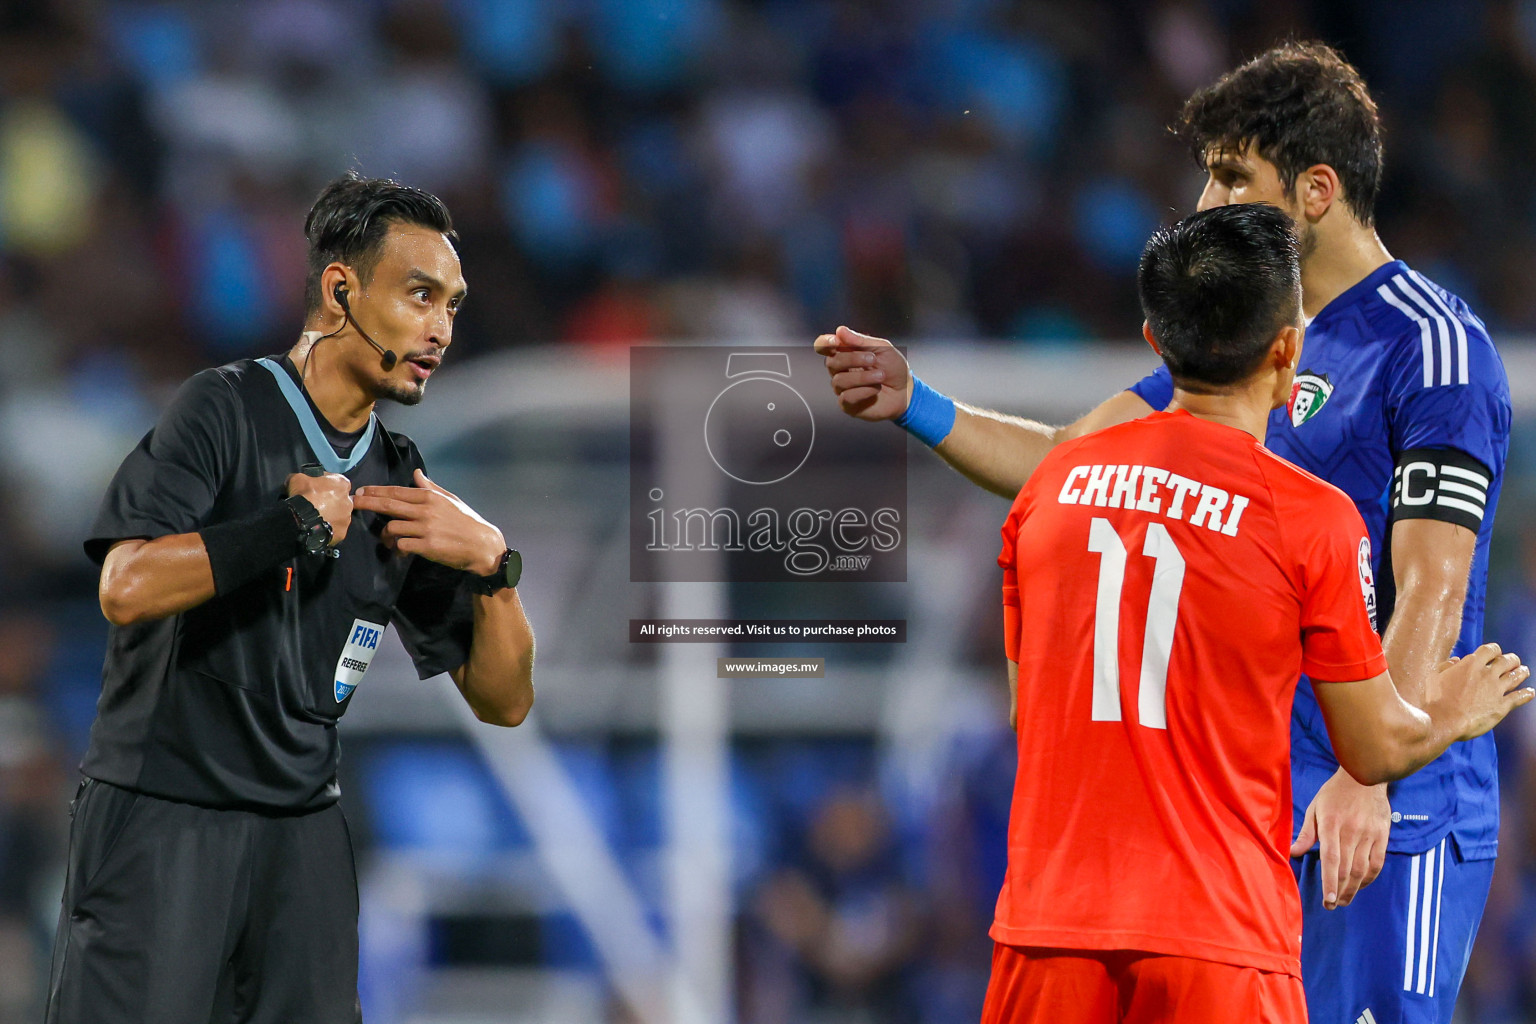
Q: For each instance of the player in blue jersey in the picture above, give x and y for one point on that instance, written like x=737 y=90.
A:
x=1401 y=401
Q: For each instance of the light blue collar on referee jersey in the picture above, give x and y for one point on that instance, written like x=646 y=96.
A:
x=318 y=442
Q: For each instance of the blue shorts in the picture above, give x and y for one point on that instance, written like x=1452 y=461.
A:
x=1398 y=952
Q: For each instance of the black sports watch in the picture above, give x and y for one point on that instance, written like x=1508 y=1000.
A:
x=507 y=573
x=314 y=531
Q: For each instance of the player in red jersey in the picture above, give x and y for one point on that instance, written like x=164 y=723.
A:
x=1192 y=575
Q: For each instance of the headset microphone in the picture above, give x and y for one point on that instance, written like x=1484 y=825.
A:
x=340 y=292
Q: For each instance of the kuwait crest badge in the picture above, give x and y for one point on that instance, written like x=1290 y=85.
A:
x=1309 y=394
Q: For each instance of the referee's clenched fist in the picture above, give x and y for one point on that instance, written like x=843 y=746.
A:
x=329 y=493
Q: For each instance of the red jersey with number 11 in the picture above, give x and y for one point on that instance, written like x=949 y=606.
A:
x=1166 y=581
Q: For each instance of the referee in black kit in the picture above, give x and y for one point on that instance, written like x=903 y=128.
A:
x=254 y=548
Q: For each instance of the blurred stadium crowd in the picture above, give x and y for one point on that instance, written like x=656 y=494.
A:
x=631 y=170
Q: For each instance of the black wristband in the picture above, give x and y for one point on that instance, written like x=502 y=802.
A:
x=242 y=549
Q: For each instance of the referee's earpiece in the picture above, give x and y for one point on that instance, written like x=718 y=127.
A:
x=340 y=294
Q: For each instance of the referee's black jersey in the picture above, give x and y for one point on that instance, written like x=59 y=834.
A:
x=235 y=702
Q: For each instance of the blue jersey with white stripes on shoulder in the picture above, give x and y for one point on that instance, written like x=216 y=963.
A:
x=1400 y=401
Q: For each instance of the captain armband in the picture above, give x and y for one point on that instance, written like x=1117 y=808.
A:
x=1440 y=483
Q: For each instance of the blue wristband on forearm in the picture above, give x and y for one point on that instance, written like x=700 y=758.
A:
x=930 y=416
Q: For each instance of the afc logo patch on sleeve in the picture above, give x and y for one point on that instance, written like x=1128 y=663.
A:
x=356 y=656
x=1367 y=579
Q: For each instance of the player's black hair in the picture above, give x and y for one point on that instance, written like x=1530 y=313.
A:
x=1217 y=287
x=350 y=218
x=1300 y=104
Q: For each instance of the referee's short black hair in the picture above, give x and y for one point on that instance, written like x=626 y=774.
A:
x=1299 y=104
x=350 y=218
x=1217 y=287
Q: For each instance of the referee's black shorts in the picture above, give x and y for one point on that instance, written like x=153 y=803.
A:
x=179 y=914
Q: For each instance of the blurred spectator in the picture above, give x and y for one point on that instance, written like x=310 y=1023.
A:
x=968 y=857
x=1501 y=982
x=931 y=170
x=829 y=934
x=31 y=818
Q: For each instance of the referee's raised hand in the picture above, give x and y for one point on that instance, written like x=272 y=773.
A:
x=331 y=496
x=429 y=521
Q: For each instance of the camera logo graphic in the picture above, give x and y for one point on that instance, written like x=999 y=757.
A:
x=759 y=429
x=758 y=487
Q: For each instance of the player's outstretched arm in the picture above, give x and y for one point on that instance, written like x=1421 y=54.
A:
x=1379 y=737
x=144 y=580
x=998 y=452
x=427 y=520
